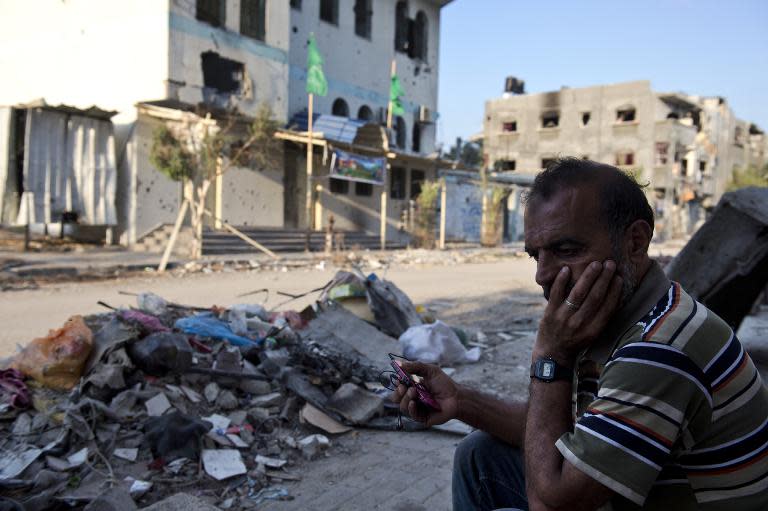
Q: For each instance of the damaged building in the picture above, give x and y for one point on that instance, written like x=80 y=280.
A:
x=151 y=62
x=685 y=147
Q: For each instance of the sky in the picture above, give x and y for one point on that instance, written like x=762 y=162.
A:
x=700 y=47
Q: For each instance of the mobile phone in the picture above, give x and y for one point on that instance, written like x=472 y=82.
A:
x=415 y=382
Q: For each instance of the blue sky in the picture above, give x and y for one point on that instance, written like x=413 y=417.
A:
x=699 y=47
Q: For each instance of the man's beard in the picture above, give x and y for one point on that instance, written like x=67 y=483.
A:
x=625 y=269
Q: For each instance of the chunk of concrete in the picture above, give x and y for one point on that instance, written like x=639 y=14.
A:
x=355 y=404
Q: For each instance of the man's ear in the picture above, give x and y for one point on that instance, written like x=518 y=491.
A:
x=637 y=237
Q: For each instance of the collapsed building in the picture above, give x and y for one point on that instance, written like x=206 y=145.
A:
x=147 y=60
x=685 y=147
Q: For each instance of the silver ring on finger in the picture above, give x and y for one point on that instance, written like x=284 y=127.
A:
x=571 y=304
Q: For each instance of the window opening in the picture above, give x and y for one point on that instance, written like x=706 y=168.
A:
x=662 y=153
x=585 y=118
x=340 y=186
x=329 y=11
x=401 y=27
x=296 y=4
x=505 y=165
x=363 y=17
x=420 y=36
x=221 y=74
x=702 y=166
x=397 y=183
x=399 y=132
x=550 y=120
x=253 y=15
x=509 y=127
x=365 y=113
x=684 y=167
x=417 y=178
x=211 y=11
x=416 y=138
x=625 y=115
x=340 y=108
x=624 y=158
x=364 y=189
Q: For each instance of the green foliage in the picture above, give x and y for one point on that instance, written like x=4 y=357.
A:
x=494 y=216
x=169 y=156
x=470 y=154
x=751 y=176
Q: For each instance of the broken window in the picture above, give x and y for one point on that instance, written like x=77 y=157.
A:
x=420 y=35
x=211 y=11
x=625 y=114
x=684 y=167
x=400 y=132
x=365 y=113
x=221 y=74
x=253 y=18
x=738 y=136
x=550 y=120
x=364 y=189
x=505 y=165
x=401 y=27
x=296 y=4
x=340 y=186
x=662 y=153
x=585 y=117
x=702 y=166
x=329 y=11
x=363 y=17
x=417 y=178
x=397 y=183
x=340 y=108
x=509 y=127
x=546 y=162
x=624 y=158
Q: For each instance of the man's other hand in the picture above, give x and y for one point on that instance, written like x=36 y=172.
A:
x=443 y=389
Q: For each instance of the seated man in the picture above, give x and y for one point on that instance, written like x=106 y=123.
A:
x=640 y=397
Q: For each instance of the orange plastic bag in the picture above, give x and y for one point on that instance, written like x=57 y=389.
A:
x=57 y=360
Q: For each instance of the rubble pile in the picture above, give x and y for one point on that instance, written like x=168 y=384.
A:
x=124 y=409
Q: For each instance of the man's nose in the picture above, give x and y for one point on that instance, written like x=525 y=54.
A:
x=546 y=270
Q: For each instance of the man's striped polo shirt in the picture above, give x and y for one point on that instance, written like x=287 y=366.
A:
x=672 y=413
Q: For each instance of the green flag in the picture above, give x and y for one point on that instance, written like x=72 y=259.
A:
x=316 y=83
x=395 y=93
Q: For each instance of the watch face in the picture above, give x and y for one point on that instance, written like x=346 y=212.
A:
x=547 y=369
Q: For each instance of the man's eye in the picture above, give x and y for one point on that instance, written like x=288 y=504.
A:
x=568 y=252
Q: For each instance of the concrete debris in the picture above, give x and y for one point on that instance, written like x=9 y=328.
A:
x=355 y=404
x=158 y=405
x=313 y=445
x=317 y=418
x=114 y=499
x=181 y=502
x=127 y=454
x=270 y=462
x=211 y=392
x=139 y=489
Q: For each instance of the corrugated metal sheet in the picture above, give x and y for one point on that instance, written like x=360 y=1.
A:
x=69 y=165
x=340 y=129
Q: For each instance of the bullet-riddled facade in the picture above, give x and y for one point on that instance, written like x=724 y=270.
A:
x=685 y=147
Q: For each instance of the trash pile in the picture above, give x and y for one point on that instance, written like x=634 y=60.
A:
x=124 y=409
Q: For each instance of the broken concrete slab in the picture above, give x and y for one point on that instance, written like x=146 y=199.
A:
x=316 y=417
x=181 y=502
x=725 y=264
x=355 y=404
x=114 y=499
x=267 y=400
x=158 y=405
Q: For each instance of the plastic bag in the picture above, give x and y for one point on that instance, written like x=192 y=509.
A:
x=208 y=325
x=151 y=303
x=393 y=310
x=436 y=343
x=240 y=317
x=57 y=360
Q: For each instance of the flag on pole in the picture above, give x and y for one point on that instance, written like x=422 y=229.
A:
x=316 y=83
x=395 y=93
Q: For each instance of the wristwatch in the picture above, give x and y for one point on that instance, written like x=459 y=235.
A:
x=547 y=370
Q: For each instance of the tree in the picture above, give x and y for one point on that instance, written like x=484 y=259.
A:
x=196 y=150
x=469 y=154
x=750 y=176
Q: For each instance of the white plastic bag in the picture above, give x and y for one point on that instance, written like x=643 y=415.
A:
x=246 y=317
x=436 y=343
x=151 y=303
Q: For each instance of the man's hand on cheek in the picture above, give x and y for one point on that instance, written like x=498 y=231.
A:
x=574 y=318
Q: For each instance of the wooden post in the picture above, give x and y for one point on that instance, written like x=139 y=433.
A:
x=385 y=185
x=443 y=204
x=310 y=154
x=319 y=208
x=484 y=210
x=219 y=204
x=174 y=234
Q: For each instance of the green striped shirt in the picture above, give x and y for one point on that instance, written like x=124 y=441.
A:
x=671 y=412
